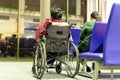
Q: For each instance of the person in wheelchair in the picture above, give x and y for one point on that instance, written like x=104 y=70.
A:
x=56 y=16
x=55 y=47
x=56 y=19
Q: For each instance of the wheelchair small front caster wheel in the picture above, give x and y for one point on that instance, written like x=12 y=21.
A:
x=58 y=68
x=33 y=69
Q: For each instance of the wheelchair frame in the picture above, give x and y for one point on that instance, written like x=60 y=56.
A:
x=70 y=60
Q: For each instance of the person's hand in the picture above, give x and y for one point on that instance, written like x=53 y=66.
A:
x=38 y=40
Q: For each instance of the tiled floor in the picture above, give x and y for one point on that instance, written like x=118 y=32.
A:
x=22 y=71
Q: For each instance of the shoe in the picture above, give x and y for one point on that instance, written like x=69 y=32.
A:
x=33 y=69
x=51 y=65
x=99 y=72
x=88 y=69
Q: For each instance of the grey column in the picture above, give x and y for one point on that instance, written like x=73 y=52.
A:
x=78 y=7
x=44 y=9
x=22 y=6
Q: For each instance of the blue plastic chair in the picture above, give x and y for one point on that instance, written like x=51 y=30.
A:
x=75 y=33
x=110 y=58
x=96 y=42
x=97 y=38
x=96 y=46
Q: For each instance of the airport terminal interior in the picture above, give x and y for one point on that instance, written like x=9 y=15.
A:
x=20 y=53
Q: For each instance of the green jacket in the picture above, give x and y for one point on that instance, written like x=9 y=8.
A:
x=85 y=36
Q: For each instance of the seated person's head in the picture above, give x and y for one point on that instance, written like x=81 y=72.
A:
x=14 y=35
x=0 y=34
x=95 y=15
x=56 y=13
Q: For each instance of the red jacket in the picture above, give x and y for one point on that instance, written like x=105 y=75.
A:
x=42 y=27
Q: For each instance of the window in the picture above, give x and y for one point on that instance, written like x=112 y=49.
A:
x=9 y=3
x=36 y=20
x=32 y=5
x=63 y=4
x=4 y=17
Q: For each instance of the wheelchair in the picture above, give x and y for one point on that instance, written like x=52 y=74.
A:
x=56 y=45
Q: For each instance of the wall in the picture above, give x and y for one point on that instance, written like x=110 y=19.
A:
x=9 y=27
x=109 y=5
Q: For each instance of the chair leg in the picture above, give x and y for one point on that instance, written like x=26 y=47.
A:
x=83 y=71
x=112 y=74
x=95 y=72
x=84 y=65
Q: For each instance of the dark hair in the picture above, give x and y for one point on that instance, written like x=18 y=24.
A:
x=96 y=16
x=56 y=13
x=0 y=34
x=14 y=35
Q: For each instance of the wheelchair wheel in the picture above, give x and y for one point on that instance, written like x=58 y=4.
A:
x=40 y=60
x=72 y=61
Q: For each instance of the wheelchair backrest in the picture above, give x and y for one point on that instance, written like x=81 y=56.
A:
x=57 y=32
x=57 y=37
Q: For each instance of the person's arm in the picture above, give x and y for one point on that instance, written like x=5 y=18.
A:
x=41 y=29
x=83 y=31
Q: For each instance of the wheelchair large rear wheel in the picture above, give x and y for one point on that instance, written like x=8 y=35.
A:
x=40 y=60
x=72 y=61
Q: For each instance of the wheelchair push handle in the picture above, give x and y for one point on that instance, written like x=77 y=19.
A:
x=72 y=25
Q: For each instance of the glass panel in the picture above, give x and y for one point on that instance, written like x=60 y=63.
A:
x=32 y=5
x=62 y=4
x=9 y=3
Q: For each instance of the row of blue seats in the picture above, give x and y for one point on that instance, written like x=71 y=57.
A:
x=27 y=42
x=104 y=45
